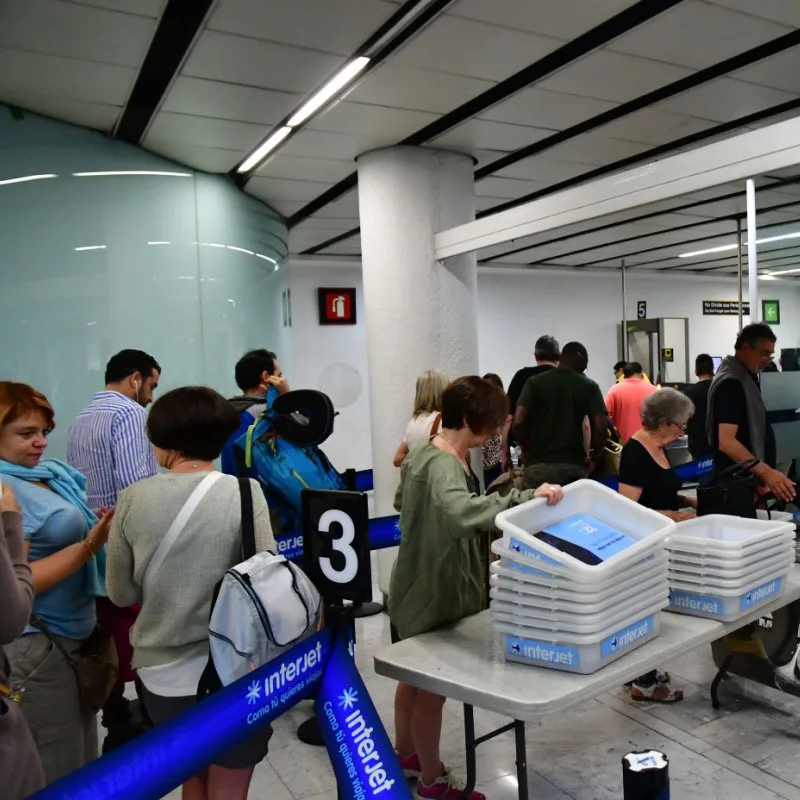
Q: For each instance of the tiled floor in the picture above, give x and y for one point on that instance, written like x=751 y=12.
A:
x=747 y=749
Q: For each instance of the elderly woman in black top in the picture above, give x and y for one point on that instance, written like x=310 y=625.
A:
x=646 y=477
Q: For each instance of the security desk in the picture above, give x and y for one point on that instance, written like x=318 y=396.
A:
x=465 y=662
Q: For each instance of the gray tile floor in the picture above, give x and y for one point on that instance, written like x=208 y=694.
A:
x=747 y=749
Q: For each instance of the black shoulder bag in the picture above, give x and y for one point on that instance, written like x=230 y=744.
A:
x=732 y=492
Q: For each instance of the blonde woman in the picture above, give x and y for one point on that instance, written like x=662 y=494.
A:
x=426 y=418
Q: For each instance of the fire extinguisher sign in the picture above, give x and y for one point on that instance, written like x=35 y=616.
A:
x=337 y=306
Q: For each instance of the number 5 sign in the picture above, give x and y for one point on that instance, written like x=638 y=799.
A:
x=336 y=544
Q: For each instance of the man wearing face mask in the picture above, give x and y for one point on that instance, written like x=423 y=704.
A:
x=108 y=444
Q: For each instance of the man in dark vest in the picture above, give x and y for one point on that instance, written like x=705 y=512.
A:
x=738 y=430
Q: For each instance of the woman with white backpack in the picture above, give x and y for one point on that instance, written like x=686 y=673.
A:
x=198 y=510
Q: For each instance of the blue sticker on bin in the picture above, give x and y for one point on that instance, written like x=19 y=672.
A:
x=760 y=593
x=542 y=652
x=704 y=604
x=590 y=534
x=627 y=637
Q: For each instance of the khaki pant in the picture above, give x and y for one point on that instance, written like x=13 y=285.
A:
x=65 y=735
x=561 y=474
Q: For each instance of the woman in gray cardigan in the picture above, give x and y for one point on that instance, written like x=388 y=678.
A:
x=20 y=768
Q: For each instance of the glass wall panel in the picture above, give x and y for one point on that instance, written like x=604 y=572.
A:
x=180 y=264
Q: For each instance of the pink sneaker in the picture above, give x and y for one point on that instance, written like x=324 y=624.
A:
x=409 y=764
x=445 y=787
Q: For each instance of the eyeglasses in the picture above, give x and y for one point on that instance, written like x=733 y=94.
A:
x=681 y=426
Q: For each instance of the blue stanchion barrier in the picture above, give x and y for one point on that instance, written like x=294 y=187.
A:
x=383 y=532
x=153 y=764
x=695 y=470
x=364 y=481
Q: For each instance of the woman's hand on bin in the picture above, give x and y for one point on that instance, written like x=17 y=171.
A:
x=551 y=491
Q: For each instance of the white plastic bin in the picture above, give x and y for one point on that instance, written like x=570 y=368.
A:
x=574 y=652
x=720 y=560
x=579 y=584
x=566 y=622
x=742 y=572
x=541 y=597
x=730 y=584
x=648 y=528
x=719 y=533
x=724 y=604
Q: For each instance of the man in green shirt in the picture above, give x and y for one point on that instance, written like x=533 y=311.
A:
x=560 y=421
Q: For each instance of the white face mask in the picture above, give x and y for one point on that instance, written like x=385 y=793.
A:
x=136 y=389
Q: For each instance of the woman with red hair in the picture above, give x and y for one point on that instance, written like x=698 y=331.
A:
x=65 y=543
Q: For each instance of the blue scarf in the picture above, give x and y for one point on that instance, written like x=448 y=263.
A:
x=70 y=485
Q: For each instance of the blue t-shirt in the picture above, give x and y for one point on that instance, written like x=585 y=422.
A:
x=50 y=524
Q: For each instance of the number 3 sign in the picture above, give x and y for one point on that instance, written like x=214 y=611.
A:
x=336 y=544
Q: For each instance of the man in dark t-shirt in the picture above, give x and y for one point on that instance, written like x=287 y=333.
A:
x=546 y=351
x=560 y=415
x=698 y=394
x=738 y=426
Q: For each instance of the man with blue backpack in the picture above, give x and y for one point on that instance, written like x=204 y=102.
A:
x=278 y=437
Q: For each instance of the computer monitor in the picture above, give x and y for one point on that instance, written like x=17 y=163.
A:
x=717 y=362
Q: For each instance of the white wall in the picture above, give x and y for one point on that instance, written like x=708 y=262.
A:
x=325 y=357
x=514 y=308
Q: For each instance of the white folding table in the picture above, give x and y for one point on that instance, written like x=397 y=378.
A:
x=465 y=662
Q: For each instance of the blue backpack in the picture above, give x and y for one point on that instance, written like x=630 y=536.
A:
x=281 y=451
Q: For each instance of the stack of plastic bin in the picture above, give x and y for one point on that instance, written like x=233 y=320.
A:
x=722 y=567
x=554 y=610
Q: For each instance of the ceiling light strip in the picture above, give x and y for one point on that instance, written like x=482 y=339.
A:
x=767 y=240
x=111 y=173
x=333 y=87
x=26 y=179
x=411 y=17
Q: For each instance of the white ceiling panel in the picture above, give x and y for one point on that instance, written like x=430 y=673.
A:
x=73 y=31
x=416 y=89
x=306 y=169
x=352 y=247
x=323 y=228
x=696 y=34
x=785 y=11
x=541 y=109
x=340 y=146
x=593 y=149
x=205 y=98
x=142 y=8
x=613 y=76
x=344 y=208
x=463 y=47
x=725 y=100
x=542 y=170
x=208 y=159
x=347 y=117
x=780 y=71
x=250 y=62
x=655 y=127
x=97 y=116
x=23 y=73
x=486 y=203
x=482 y=134
x=506 y=187
x=281 y=189
x=205 y=131
x=562 y=20
x=330 y=26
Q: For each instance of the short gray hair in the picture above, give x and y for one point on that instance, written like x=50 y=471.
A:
x=664 y=407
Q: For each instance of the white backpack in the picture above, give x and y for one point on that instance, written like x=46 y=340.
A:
x=261 y=607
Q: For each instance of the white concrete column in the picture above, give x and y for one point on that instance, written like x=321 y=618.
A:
x=420 y=314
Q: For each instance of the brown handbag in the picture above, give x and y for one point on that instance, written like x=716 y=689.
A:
x=96 y=665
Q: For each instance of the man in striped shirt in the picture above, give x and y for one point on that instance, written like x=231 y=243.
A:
x=108 y=443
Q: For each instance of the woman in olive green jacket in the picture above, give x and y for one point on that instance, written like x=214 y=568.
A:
x=440 y=568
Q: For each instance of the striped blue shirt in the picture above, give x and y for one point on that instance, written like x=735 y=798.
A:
x=108 y=443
